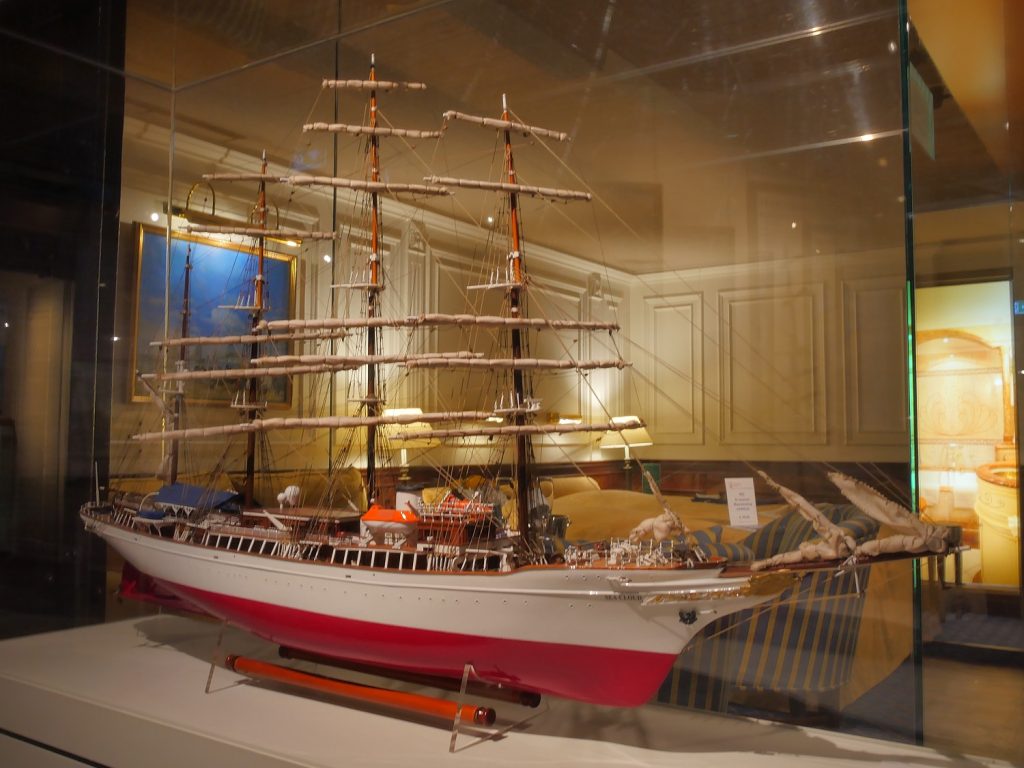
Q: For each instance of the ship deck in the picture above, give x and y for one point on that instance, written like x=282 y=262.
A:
x=132 y=693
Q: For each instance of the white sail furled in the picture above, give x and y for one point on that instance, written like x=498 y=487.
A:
x=438 y=319
x=281 y=234
x=366 y=186
x=373 y=85
x=520 y=363
x=834 y=542
x=506 y=125
x=253 y=176
x=249 y=373
x=840 y=541
x=501 y=186
x=200 y=341
x=912 y=533
x=310 y=422
x=515 y=429
x=355 y=360
x=366 y=130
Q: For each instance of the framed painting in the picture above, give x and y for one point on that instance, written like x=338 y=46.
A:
x=221 y=296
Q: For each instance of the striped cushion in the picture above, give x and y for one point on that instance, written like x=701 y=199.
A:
x=710 y=540
x=807 y=643
x=789 y=531
x=703 y=677
x=803 y=641
x=764 y=542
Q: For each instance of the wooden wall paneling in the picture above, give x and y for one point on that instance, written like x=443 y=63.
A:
x=674 y=385
x=874 y=395
x=772 y=365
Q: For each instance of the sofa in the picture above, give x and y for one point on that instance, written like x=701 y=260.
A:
x=800 y=647
x=821 y=644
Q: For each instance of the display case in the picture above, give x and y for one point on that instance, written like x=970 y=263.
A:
x=768 y=244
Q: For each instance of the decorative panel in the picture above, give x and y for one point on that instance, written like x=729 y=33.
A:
x=772 y=361
x=874 y=347
x=675 y=402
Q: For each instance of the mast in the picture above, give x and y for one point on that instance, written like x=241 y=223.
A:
x=373 y=402
x=179 y=395
x=253 y=387
x=522 y=469
x=522 y=407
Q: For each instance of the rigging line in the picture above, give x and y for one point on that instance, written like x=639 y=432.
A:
x=713 y=313
x=639 y=277
x=795 y=450
x=750 y=369
x=883 y=480
x=596 y=197
x=775 y=439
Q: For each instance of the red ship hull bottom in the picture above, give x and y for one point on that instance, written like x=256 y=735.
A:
x=609 y=676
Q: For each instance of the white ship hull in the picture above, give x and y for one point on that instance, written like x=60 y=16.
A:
x=603 y=635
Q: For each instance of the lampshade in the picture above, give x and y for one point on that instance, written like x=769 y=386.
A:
x=411 y=440
x=631 y=437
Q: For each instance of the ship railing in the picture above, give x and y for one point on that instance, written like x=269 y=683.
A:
x=457 y=559
x=459 y=512
x=249 y=541
x=380 y=557
x=620 y=553
x=123 y=516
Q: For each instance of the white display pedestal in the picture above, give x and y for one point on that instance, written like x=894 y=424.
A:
x=131 y=693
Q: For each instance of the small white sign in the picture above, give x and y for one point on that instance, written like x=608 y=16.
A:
x=739 y=491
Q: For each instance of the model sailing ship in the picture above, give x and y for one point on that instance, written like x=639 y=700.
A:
x=463 y=578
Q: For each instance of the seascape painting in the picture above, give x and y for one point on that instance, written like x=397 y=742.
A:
x=221 y=291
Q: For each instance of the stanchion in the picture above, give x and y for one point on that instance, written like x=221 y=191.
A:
x=407 y=702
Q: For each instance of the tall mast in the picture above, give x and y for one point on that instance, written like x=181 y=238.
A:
x=253 y=388
x=514 y=302
x=179 y=395
x=373 y=397
x=373 y=403
x=520 y=410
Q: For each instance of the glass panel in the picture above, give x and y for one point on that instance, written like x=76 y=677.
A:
x=60 y=150
x=963 y=127
x=746 y=235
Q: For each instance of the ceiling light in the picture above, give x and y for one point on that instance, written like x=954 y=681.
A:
x=154 y=216
x=327 y=258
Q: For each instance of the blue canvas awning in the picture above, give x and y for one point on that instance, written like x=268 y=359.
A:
x=184 y=495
